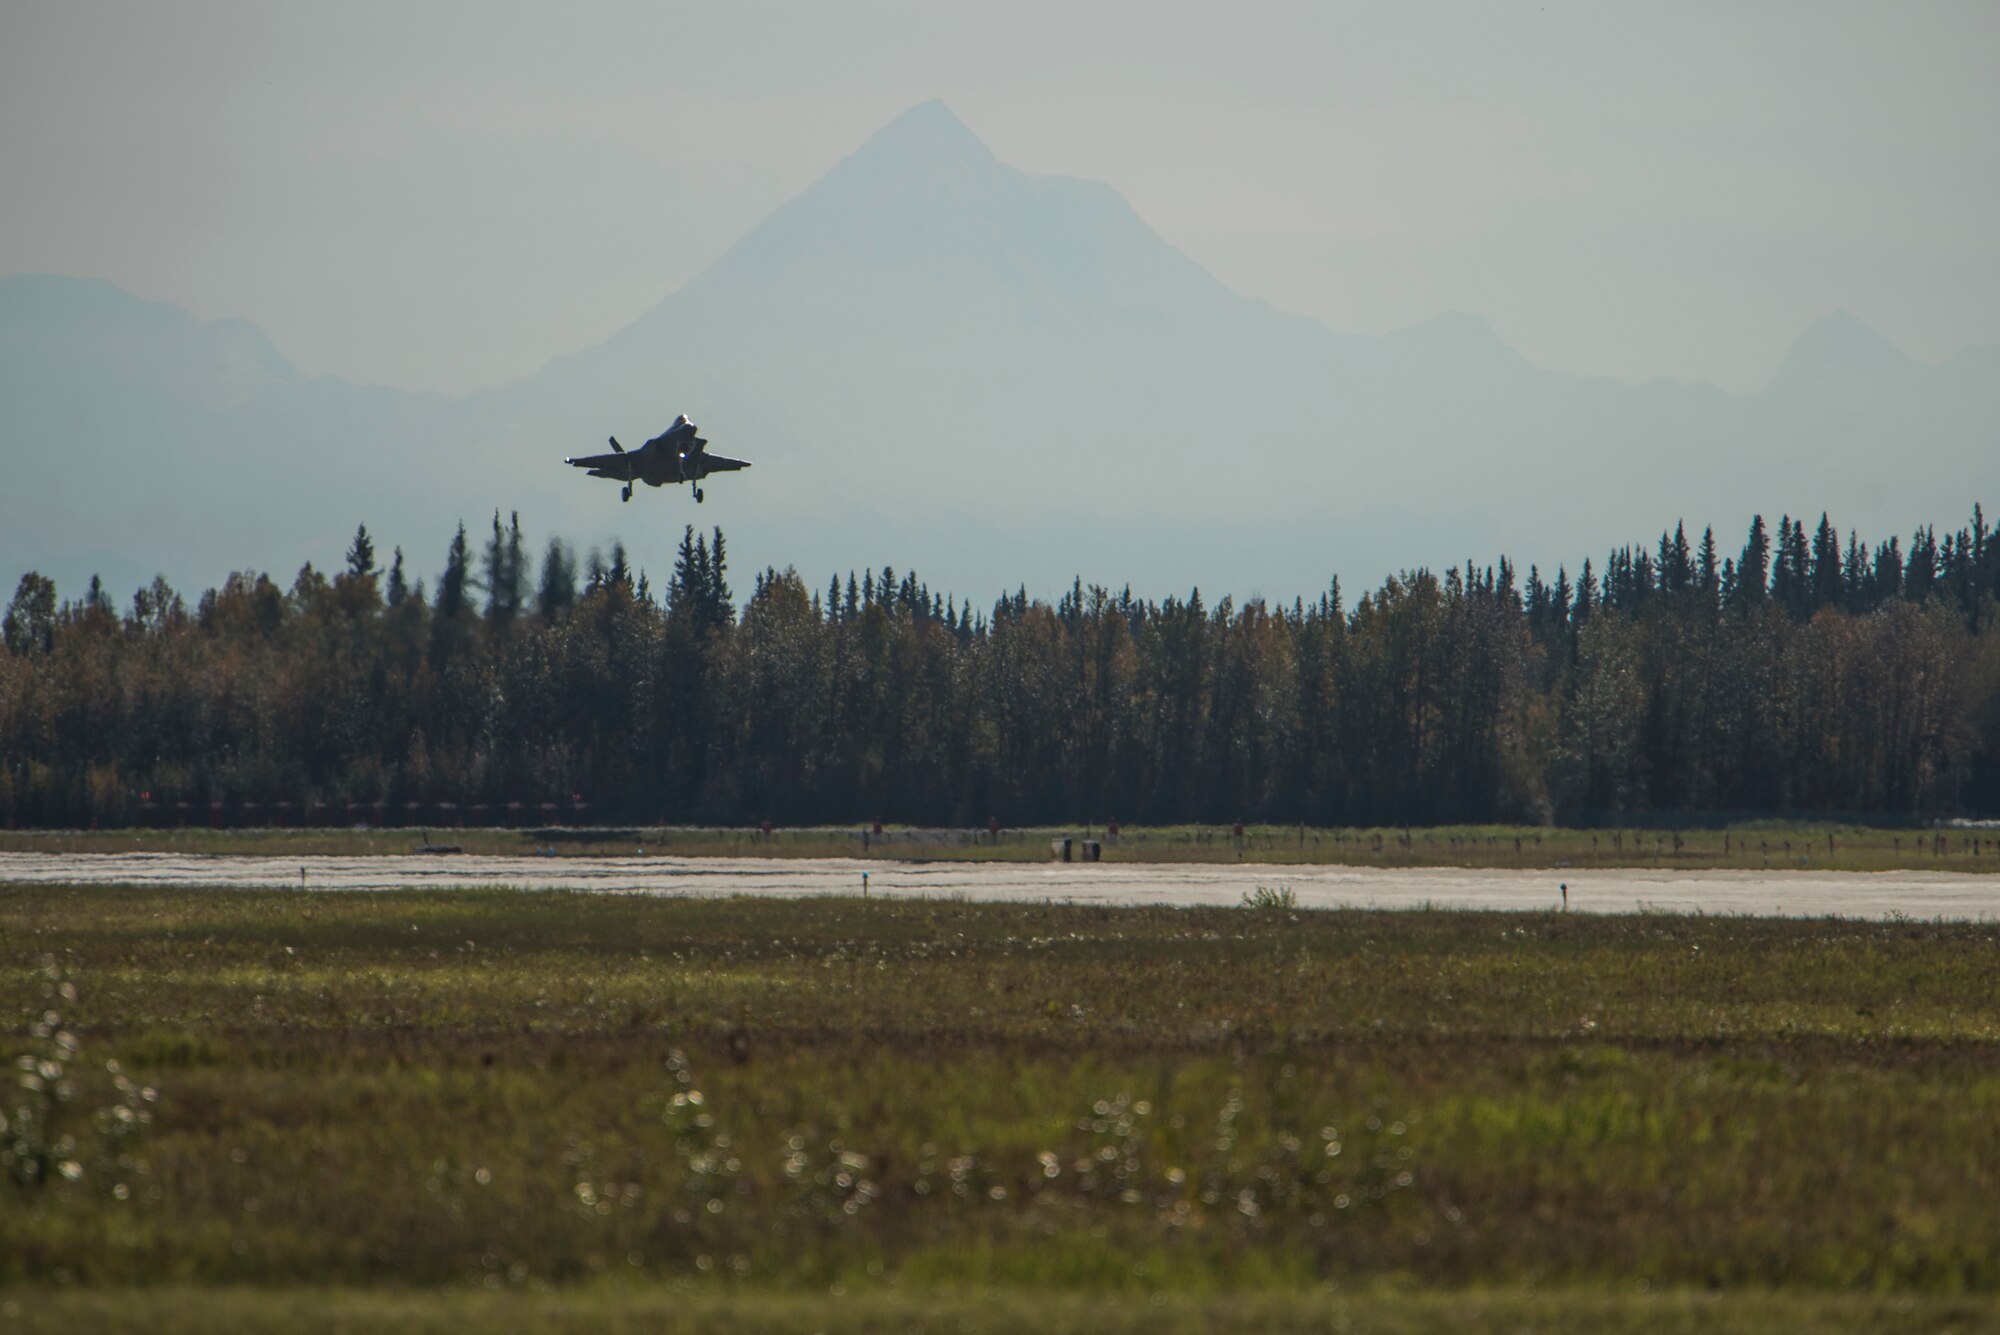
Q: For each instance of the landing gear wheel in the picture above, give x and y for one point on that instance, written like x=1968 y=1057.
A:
x=697 y=495
x=626 y=494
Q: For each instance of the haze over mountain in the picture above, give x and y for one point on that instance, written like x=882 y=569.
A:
x=936 y=360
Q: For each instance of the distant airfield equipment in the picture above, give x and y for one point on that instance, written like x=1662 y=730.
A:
x=676 y=455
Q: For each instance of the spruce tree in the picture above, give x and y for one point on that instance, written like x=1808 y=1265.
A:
x=1676 y=566
x=1854 y=575
x=1827 y=584
x=1921 y=572
x=1708 y=575
x=1753 y=568
x=457 y=575
x=1886 y=581
x=503 y=571
x=399 y=587
x=361 y=554
x=517 y=563
x=721 y=603
x=557 y=592
x=447 y=632
x=1784 y=591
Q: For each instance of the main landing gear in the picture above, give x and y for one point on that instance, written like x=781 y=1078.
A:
x=626 y=494
x=697 y=495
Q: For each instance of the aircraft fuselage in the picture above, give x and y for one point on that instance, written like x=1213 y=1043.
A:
x=676 y=455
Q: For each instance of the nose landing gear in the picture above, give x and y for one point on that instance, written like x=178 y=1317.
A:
x=626 y=494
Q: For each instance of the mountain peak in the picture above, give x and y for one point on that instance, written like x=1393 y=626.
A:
x=928 y=133
x=923 y=214
x=1838 y=352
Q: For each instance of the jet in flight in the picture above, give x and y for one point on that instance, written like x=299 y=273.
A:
x=677 y=454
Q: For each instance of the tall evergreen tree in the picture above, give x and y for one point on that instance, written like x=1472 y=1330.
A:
x=556 y=593
x=1753 y=568
x=1708 y=574
x=721 y=601
x=1921 y=571
x=1855 y=576
x=1676 y=564
x=1886 y=581
x=1827 y=584
x=1535 y=603
x=503 y=571
x=399 y=587
x=448 y=633
x=361 y=554
x=1790 y=586
x=453 y=582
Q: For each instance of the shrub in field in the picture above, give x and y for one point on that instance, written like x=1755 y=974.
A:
x=37 y=1144
x=1276 y=897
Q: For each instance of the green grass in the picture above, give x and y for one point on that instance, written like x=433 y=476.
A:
x=666 y=1310
x=482 y=1107
x=1753 y=846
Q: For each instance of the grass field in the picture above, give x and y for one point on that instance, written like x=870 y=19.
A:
x=1748 y=847
x=684 y=1310
x=552 y=1111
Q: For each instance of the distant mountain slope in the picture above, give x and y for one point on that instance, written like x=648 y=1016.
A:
x=138 y=439
x=932 y=357
x=925 y=312
x=91 y=333
x=1019 y=375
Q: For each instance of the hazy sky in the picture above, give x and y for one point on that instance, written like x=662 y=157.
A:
x=440 y=196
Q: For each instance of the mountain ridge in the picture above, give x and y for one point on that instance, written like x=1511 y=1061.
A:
x=936 y=358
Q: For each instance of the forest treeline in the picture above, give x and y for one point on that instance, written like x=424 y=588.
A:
x=1799 y=675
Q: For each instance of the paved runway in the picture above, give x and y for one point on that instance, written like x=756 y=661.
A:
x=1791 y=893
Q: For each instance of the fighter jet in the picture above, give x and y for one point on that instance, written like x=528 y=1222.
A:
x=677 y=454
